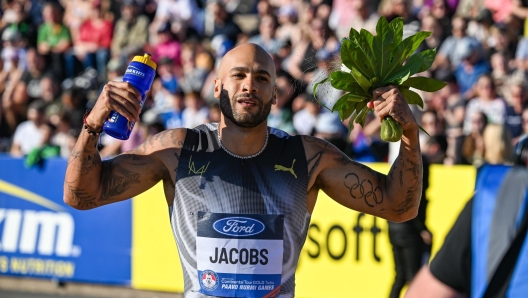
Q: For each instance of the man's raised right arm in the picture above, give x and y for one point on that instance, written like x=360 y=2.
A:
x=91 y=182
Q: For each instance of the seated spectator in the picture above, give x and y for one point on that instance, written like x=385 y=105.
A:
x=53 y=38
x=287 y=31
x=13 y=60
x=449 y=55
x=91 y=45
x=266 y=37
x=46 y=149
x=473 y=148
x=194 y=78
x=330 y=128
x=35 y=71
x=517 y=99
x=196 y=111
x=472 y=66
x=222 y=22
x=166 y=46
x=302 y=64
x=183 y=15
x=130 y=31
x=434 y=145
x=173 y=118
x=486 y=101
x=304 y=120
x=14 y=110
x=355 y=14
x=28 y=135
x=498 y=144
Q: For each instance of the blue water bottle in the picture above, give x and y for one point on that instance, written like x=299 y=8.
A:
x=140 y=73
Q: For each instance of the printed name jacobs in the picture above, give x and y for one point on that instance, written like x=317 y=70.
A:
x=244 y=256
x=247 y=287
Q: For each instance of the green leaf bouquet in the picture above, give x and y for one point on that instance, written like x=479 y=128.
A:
x=378 y=61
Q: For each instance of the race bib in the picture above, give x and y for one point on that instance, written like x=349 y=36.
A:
x=239 y=255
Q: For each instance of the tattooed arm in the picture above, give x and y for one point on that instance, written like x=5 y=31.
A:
x=395 y=196
x=91 y=183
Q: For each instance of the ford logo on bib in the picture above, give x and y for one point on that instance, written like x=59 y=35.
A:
x=238 y=226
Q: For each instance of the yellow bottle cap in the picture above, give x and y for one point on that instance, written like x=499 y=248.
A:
x=145 y=59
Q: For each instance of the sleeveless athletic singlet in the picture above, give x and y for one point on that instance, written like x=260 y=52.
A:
x=240 y=224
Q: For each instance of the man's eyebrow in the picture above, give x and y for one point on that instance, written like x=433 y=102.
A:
x=246 y=69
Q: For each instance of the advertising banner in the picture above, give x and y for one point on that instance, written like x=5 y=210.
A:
x=42 y=237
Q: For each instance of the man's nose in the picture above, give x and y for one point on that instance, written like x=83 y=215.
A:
x=249 y=85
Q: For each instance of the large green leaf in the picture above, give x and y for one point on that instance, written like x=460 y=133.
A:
x=363 y=45
x=407 y=47
x=343 y=81
x=397 y=27
x=353 y=57
x=363 y=82
x=345 y=113
x=411 y=97
x=424 y=84
x=428 y=57
x=382 y=40
x=402 y=74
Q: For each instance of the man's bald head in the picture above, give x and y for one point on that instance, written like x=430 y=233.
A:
x=247 y=55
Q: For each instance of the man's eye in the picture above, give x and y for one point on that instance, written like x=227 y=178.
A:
x=265 y=79
x=238 y=75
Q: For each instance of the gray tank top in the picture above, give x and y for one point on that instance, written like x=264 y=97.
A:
x=240 y=224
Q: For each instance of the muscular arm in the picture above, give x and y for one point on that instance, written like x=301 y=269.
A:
x=90 y=182
x=395 y=196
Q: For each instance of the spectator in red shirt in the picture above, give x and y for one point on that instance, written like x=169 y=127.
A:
x=92 y=45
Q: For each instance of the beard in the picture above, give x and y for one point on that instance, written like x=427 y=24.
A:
x=243 y=120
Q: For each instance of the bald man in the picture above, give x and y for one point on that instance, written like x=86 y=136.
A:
x=240 y=193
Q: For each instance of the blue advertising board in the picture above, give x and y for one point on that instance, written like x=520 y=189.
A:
x=40 y=236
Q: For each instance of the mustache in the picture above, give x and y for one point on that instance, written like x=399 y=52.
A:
x=248 y=95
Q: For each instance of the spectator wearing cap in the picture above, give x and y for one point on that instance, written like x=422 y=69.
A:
x=266 y=37
x=166 y=46
x=28 y=135
x=472 y=66
x=130 y=31
x=91 y=45
x=288 y=30
x=53 y=38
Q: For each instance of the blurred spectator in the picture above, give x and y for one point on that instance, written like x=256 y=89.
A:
x=34 y=73
x=173 y=118
x=355 y=14
x=434 y=145
x=214 y=113
x=302 y=64
x=64 y=137
x=330 y=128
x=53 y=38
x=392 y=9
x=13 y=59
x=76 y=12
x=450 y=54
x=14 y=110
x=221 y=22
x=326 y=62
x=166 y=46
x=182 y=15
x=46 y=149
x=28 y=135
x=91 y=45
x=130 y=31
x=196 y=71
x=498 y=144
x=471 y=67
x=266 y=37
x=431 y=24
x=304 y=120
x=15 y=18
x=196 y=111
x=473 y=147
x=486 y=101
x=280 y=115
x=517 y=99
x=288 y=31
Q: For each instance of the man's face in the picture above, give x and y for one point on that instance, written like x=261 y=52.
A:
x=246 y=86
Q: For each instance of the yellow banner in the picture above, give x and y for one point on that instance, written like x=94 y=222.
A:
x=346 y=254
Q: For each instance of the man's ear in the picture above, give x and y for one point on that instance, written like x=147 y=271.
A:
x=217 y=88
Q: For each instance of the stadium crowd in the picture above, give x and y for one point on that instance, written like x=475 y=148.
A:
x=57 y=55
